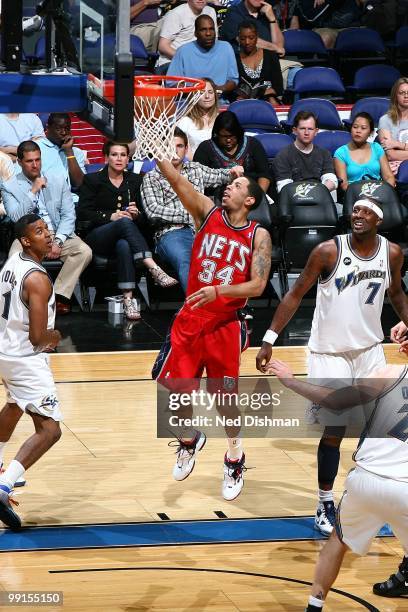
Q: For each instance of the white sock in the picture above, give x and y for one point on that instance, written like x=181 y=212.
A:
x=234 y=451
x=2 y=447
x=12 y=473
x=325 y=496
x=313 y=601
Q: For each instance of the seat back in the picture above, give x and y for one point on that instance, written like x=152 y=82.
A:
x=307 y=216
x=306 y=45
x=273 y=143
x=393 y=224
x=318 y=79
x=325 y=111
x=376 y=107
x=359 y=40
x=375 y=78
x=332 y=140
x=256 y=116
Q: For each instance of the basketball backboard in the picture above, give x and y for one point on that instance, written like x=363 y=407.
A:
x=81 y=45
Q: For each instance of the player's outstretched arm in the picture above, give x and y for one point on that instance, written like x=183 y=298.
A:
x=397 y=296
x=197 y=204
x=260 y=268
x=321 y=259
x=36 y=292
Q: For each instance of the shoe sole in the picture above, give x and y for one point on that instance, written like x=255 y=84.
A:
x=20 y=483
x=321 y=531
x=190 y=472
x=403 y=594
x=9 y=517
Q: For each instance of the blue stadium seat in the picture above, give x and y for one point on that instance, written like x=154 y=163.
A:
x=273 y=143
x=318 y=80
x=325 y=110
x=256 y=116
x=306 y=45
x=332 y=139
x=375 y=79
x=357 y=47
x=402 y=176
x=376 y=107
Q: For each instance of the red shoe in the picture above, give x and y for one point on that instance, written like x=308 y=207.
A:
x=62 y=308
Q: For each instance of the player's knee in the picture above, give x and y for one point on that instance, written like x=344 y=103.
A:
x=54 y=432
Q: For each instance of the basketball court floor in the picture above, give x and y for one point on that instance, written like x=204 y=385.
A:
x=106 y=525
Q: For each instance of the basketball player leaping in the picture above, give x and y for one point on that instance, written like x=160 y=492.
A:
x=230 y=263
x=27 y=306
x=352 y=272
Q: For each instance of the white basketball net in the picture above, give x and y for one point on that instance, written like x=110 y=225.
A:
x=156 y=118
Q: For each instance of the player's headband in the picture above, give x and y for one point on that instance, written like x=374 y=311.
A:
x=371 y=205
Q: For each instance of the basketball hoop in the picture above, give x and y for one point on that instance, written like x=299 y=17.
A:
x=160 y=102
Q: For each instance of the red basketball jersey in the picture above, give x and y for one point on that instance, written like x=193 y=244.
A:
x=221 y=255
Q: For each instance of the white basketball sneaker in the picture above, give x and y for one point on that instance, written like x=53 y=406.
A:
x=186 y=455
x=20 y=482
x=233 y=477
x=325 y=517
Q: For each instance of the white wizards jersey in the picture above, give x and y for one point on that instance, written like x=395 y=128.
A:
x=14 y=321
x=383 y=447
x=349 y=302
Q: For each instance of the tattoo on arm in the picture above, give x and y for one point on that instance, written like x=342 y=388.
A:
x=262 y=261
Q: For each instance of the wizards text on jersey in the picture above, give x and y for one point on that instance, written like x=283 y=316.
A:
x=355 y=277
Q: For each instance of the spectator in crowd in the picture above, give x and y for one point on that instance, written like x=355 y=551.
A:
x=58 y=154
x=359 y=159
x=284 y=11
x=34 y=191
x=229 y=147
x=269 y=32
x=108 y=214
x=178 y=28
x=174 y=227
x=208 y=57
x=198 y=123
x=145 y=22
x=17 y=127
x=393 y=127
x=304 y=160
x=7 y=170
x=327 y=17
x=259 y=70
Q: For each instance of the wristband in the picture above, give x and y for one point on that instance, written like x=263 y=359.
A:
x=70 y=156
x=270 y=337
x=272 y=21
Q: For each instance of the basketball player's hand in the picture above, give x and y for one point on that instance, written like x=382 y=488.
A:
x=201 y=297
x=280 y=369
x=54 y=341
x=263 y=357
x=236 y=172
x=398 y=335
x=55 y=251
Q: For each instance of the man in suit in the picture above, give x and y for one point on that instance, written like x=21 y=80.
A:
x=50 y=197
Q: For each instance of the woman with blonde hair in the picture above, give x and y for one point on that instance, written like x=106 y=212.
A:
x=393 y=127
x=198 y=124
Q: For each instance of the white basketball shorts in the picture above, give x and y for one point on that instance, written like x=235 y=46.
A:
x=337 y=370
x=29 y=383
x=369 y=501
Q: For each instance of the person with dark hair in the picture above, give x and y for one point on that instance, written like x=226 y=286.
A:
x=359 y=159
x=27 y=333
x=206 y=57
x=32 y=190
x=58 y=153
x=229 y=146
x=346 y=335
x=259 y=70
x=231 y=259
x=108 y=212
x=303 y=160
x=173 y=225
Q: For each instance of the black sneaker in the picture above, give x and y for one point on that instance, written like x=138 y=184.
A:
x=7 y=514
x=325 y=517
x=396 y=585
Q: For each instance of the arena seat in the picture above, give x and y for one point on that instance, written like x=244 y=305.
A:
x=306 y=217
x=307 y=47
x=273 y=143
x=376 y=107
x=325 y=110
x=375 y=79
x=332 y=139
x=256 y=116
x=317 y=80
x=357 y=47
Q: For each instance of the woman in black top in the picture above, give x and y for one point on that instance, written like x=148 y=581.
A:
x=107 y=207
x=260 y=75
x=230 y=147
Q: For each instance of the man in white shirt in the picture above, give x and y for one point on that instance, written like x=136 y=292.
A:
x=178 y=28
